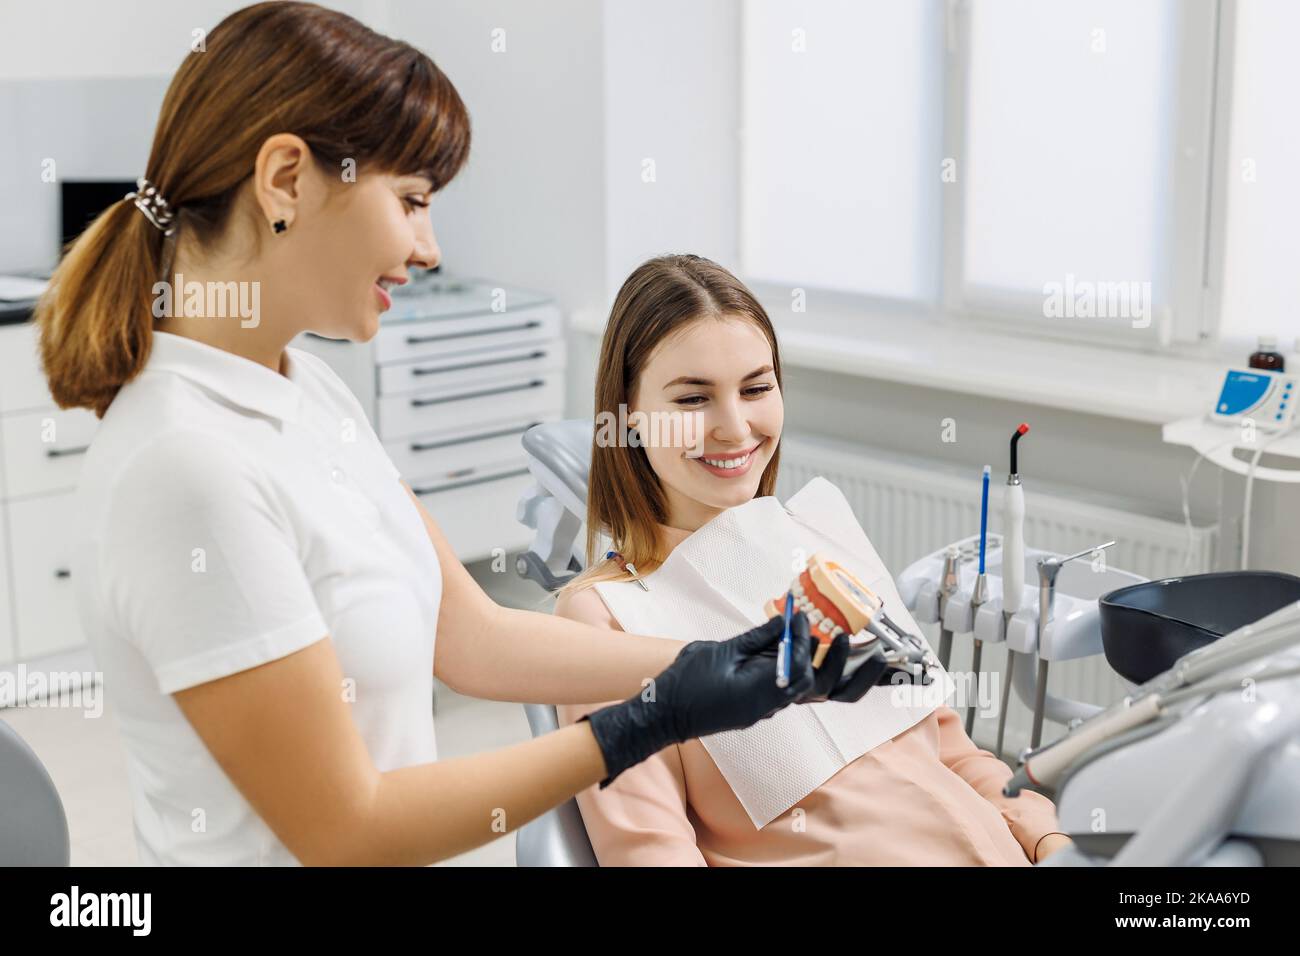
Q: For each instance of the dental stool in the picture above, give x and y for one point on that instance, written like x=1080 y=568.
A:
x=559 y=456
x=33 y=826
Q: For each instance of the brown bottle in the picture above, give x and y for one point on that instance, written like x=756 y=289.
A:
x=1268 y=357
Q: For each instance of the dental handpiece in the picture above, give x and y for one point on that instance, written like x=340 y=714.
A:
x=1046 y=766
x=1191 y=676
x=1013 y=533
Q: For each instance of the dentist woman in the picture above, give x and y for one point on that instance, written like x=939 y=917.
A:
x=261 y=591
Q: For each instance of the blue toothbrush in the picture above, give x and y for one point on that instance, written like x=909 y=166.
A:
x=783 y=652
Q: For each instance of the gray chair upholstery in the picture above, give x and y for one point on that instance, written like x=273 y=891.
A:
x=559 y=458
x=33 y=826
x=557 y=838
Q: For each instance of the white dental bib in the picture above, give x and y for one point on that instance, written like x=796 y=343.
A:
x=713 y=586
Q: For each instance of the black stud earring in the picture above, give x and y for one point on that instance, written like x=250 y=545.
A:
x=280 y=226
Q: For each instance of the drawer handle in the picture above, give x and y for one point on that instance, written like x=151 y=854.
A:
x=425 y=339
x=499 y=361
x=423 y=402
x=60 y=452
x=63 y=573
x=417 y=446
x=472 y=481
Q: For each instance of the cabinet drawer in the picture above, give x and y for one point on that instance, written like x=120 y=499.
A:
x=447 y=371
x=494 y=403
x=423 y=460
x=41 y=543
x=22 y=381
x=43 y=451
x=478 y=517
x=407 y=341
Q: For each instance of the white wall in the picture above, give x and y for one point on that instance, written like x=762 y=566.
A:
x=672 y=98
x=527 y=209
x=81 y=84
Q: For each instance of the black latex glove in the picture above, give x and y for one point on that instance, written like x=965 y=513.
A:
x=830 y=682
x=712 y=686
x=866 y=668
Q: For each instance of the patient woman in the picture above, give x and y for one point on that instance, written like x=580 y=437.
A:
x=686 y=336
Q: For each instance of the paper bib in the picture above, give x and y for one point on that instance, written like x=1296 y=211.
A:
x=713 y=586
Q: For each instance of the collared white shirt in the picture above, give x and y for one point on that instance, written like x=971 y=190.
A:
x=232 y=516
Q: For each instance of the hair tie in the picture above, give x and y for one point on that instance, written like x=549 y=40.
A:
x=150 y=202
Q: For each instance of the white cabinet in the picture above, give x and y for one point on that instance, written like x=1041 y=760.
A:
x=45 y=609
x=455 y=376
x=44 y=450
x=22 y=383
x=41 y=450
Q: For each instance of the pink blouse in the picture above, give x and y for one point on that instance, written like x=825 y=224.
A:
x=928 y=797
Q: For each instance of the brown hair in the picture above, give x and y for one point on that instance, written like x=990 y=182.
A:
x=349 y=92
x=660 y=299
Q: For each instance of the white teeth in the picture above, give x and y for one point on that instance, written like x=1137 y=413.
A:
x=727 y=462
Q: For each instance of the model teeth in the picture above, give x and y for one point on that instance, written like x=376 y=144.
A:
x=727 y=462
x=815 y=617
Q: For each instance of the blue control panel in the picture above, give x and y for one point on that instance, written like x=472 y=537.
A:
x=1266 y=398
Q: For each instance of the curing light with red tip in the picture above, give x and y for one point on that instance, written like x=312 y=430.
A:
x=1013 y=532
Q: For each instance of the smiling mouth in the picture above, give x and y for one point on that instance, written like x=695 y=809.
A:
x=730 y=465
x=384 y=286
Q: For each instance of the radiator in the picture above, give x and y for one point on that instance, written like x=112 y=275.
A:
x=910 y=507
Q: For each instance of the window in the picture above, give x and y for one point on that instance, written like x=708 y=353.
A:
x=1261 y=177
x=842 y=120
x=1015 y=160
x=1068 y=134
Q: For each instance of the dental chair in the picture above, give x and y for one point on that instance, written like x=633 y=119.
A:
x=1191 y=771
x=33 y=826
x=559 y=456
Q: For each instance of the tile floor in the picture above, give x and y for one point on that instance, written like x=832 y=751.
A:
x=86 y=761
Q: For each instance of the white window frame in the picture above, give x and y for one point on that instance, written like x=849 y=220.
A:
x=1216 y=246
x=1193 y=264
x=1188 y=226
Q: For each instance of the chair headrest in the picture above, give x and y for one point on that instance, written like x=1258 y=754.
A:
x=564 y=448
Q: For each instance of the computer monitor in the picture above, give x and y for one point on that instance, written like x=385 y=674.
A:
x=81 y=200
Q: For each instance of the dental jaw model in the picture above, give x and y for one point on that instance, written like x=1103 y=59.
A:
x=836 y=602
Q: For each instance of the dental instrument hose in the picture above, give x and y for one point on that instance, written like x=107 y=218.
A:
x=1248 y=495
x=1050 y=768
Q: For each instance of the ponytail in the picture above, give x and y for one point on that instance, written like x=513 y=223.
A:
x=95 y=319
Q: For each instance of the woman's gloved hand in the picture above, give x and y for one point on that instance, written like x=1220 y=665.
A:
x=714 y=686
x=830 y=682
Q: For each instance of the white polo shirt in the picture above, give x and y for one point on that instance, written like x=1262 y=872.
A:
x=231 y=516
